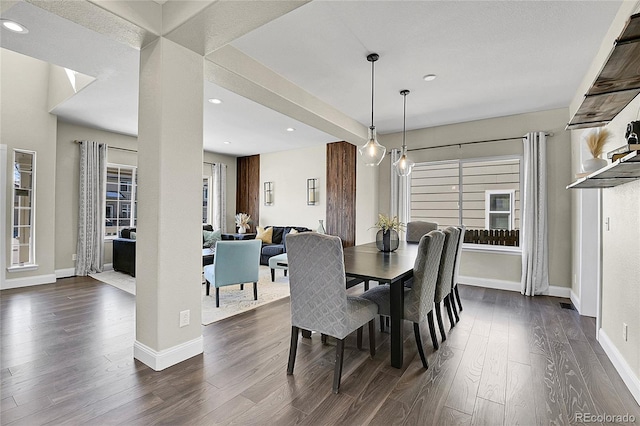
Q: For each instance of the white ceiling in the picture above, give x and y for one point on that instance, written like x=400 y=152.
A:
x=492 y=58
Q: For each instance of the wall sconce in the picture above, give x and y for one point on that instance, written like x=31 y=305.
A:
x=268 y=193
x=312 y=191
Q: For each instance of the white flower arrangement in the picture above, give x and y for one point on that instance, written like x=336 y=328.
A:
x=243 y=220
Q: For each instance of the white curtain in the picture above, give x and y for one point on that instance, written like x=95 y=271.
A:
x=219 y=196
x=400 y=188
x=534 y=240
x=91 y=212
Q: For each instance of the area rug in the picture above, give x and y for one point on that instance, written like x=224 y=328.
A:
x=233 y=301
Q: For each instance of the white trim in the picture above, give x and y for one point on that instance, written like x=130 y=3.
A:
x=29 y=281
x=555 y=291
x=65 y=273
x=22 y=268
x=159 y=360
x=488 y=248
x=3 y=211
x=575 y=299
x=107 y=267
x=621 y=365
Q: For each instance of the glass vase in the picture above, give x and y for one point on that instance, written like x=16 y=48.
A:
x=387 y=241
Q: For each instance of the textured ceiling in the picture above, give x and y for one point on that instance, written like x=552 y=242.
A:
x=492 y=58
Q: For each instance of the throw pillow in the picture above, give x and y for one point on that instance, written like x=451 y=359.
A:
x=293 y=231
x=210 y=237
x=265 y=234
x=132 y=235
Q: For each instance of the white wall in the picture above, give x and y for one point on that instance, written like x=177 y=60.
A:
x=482 y=267
x=289 y=171
x=27 y=124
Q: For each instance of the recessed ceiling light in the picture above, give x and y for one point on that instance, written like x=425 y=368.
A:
x=215 y=101
x=226 y=142
x=290 y=129
x=14 y=26
x=429 y=77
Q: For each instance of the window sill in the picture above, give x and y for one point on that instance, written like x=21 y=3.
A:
x=20 y=268
x=485 y=248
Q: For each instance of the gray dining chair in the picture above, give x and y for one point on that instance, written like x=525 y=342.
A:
x=456 y=270
x=418 y=228
x=418 y=300
x=319 y=298
x=445 y=277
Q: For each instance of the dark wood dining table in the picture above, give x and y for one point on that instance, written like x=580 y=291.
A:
x=368 y=263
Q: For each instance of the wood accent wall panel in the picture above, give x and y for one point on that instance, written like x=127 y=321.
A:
x=248 y=188
x=341 y=192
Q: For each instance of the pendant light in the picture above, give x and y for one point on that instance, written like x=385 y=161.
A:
x=404 y=165
x=372 y=152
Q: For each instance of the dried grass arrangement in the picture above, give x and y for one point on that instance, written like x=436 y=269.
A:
x=596 y=141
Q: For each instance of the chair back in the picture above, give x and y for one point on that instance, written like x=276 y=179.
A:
x=456 y=267
x=317 y=283
x=419 y=301
x=236 y=262
x=447 y=263
x=418 y=228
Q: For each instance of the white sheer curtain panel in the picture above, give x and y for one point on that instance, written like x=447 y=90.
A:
x=534 y=242
x=400 y=189
x=91 y=211
x=219 y=196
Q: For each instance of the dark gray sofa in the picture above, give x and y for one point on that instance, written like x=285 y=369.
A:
x=278 y=242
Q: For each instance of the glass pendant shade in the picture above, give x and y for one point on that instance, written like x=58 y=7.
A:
x=404 y=165
x=372 y=152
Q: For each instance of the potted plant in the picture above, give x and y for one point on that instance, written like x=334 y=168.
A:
x=387 y=239
x=596 y=141
x=243 y=221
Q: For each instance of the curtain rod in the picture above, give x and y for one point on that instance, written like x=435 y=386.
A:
x=473 y=142
x=112 y=147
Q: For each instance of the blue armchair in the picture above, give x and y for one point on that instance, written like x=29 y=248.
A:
x=235 y=262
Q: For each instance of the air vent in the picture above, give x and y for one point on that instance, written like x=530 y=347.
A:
x=567 y=306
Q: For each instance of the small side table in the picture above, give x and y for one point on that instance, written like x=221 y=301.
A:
x=239 y=236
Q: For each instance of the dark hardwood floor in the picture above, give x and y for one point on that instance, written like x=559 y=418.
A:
x=67 y=358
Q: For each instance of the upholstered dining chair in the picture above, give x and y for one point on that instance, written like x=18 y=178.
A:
x=235 y=262
x=445 y=277
x=456 y=270
x=418 y=228
x=418 y=300
x=319 y=298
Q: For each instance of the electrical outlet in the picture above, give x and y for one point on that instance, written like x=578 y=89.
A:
x=74 y=256
x=185 y=318
x=608 y=223
x=624 y=331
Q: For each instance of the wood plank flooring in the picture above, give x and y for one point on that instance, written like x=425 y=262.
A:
x=66 y=358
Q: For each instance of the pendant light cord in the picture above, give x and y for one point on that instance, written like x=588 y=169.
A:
x=372 y=87
x=404 y=123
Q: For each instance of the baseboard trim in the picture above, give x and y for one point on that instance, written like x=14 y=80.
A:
x=29 y=281
x=107 y=267
x=65 y=273
x=621 y=365
x=576 y=301
x=159 y=360
x=555 y=291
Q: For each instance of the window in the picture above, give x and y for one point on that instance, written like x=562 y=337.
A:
x=482 y=194
x=23 y=212
x=205 y=200
x=121 y=199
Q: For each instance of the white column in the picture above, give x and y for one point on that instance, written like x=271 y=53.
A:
x=169 y=230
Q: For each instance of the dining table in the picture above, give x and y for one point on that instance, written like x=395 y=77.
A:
x=368 y=263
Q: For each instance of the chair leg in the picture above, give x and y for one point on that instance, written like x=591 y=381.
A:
x=447 y=305
x=208 y=286
x=432 y=331
x=273 y=275
x=359 y=339
x=440 y=322
x=323 y=338
x=372 y=338
x=416 y=331
x=241 y=286
x=458 y=297
x=306 y=334
x=217 y=297
x=285 y=272
x=337 y=372
x=255 y=291
x=366 y=285
x=381 y=323
x=453 y=306
x=293 y=349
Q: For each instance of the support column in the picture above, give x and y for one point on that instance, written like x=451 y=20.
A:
x=169 y=230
